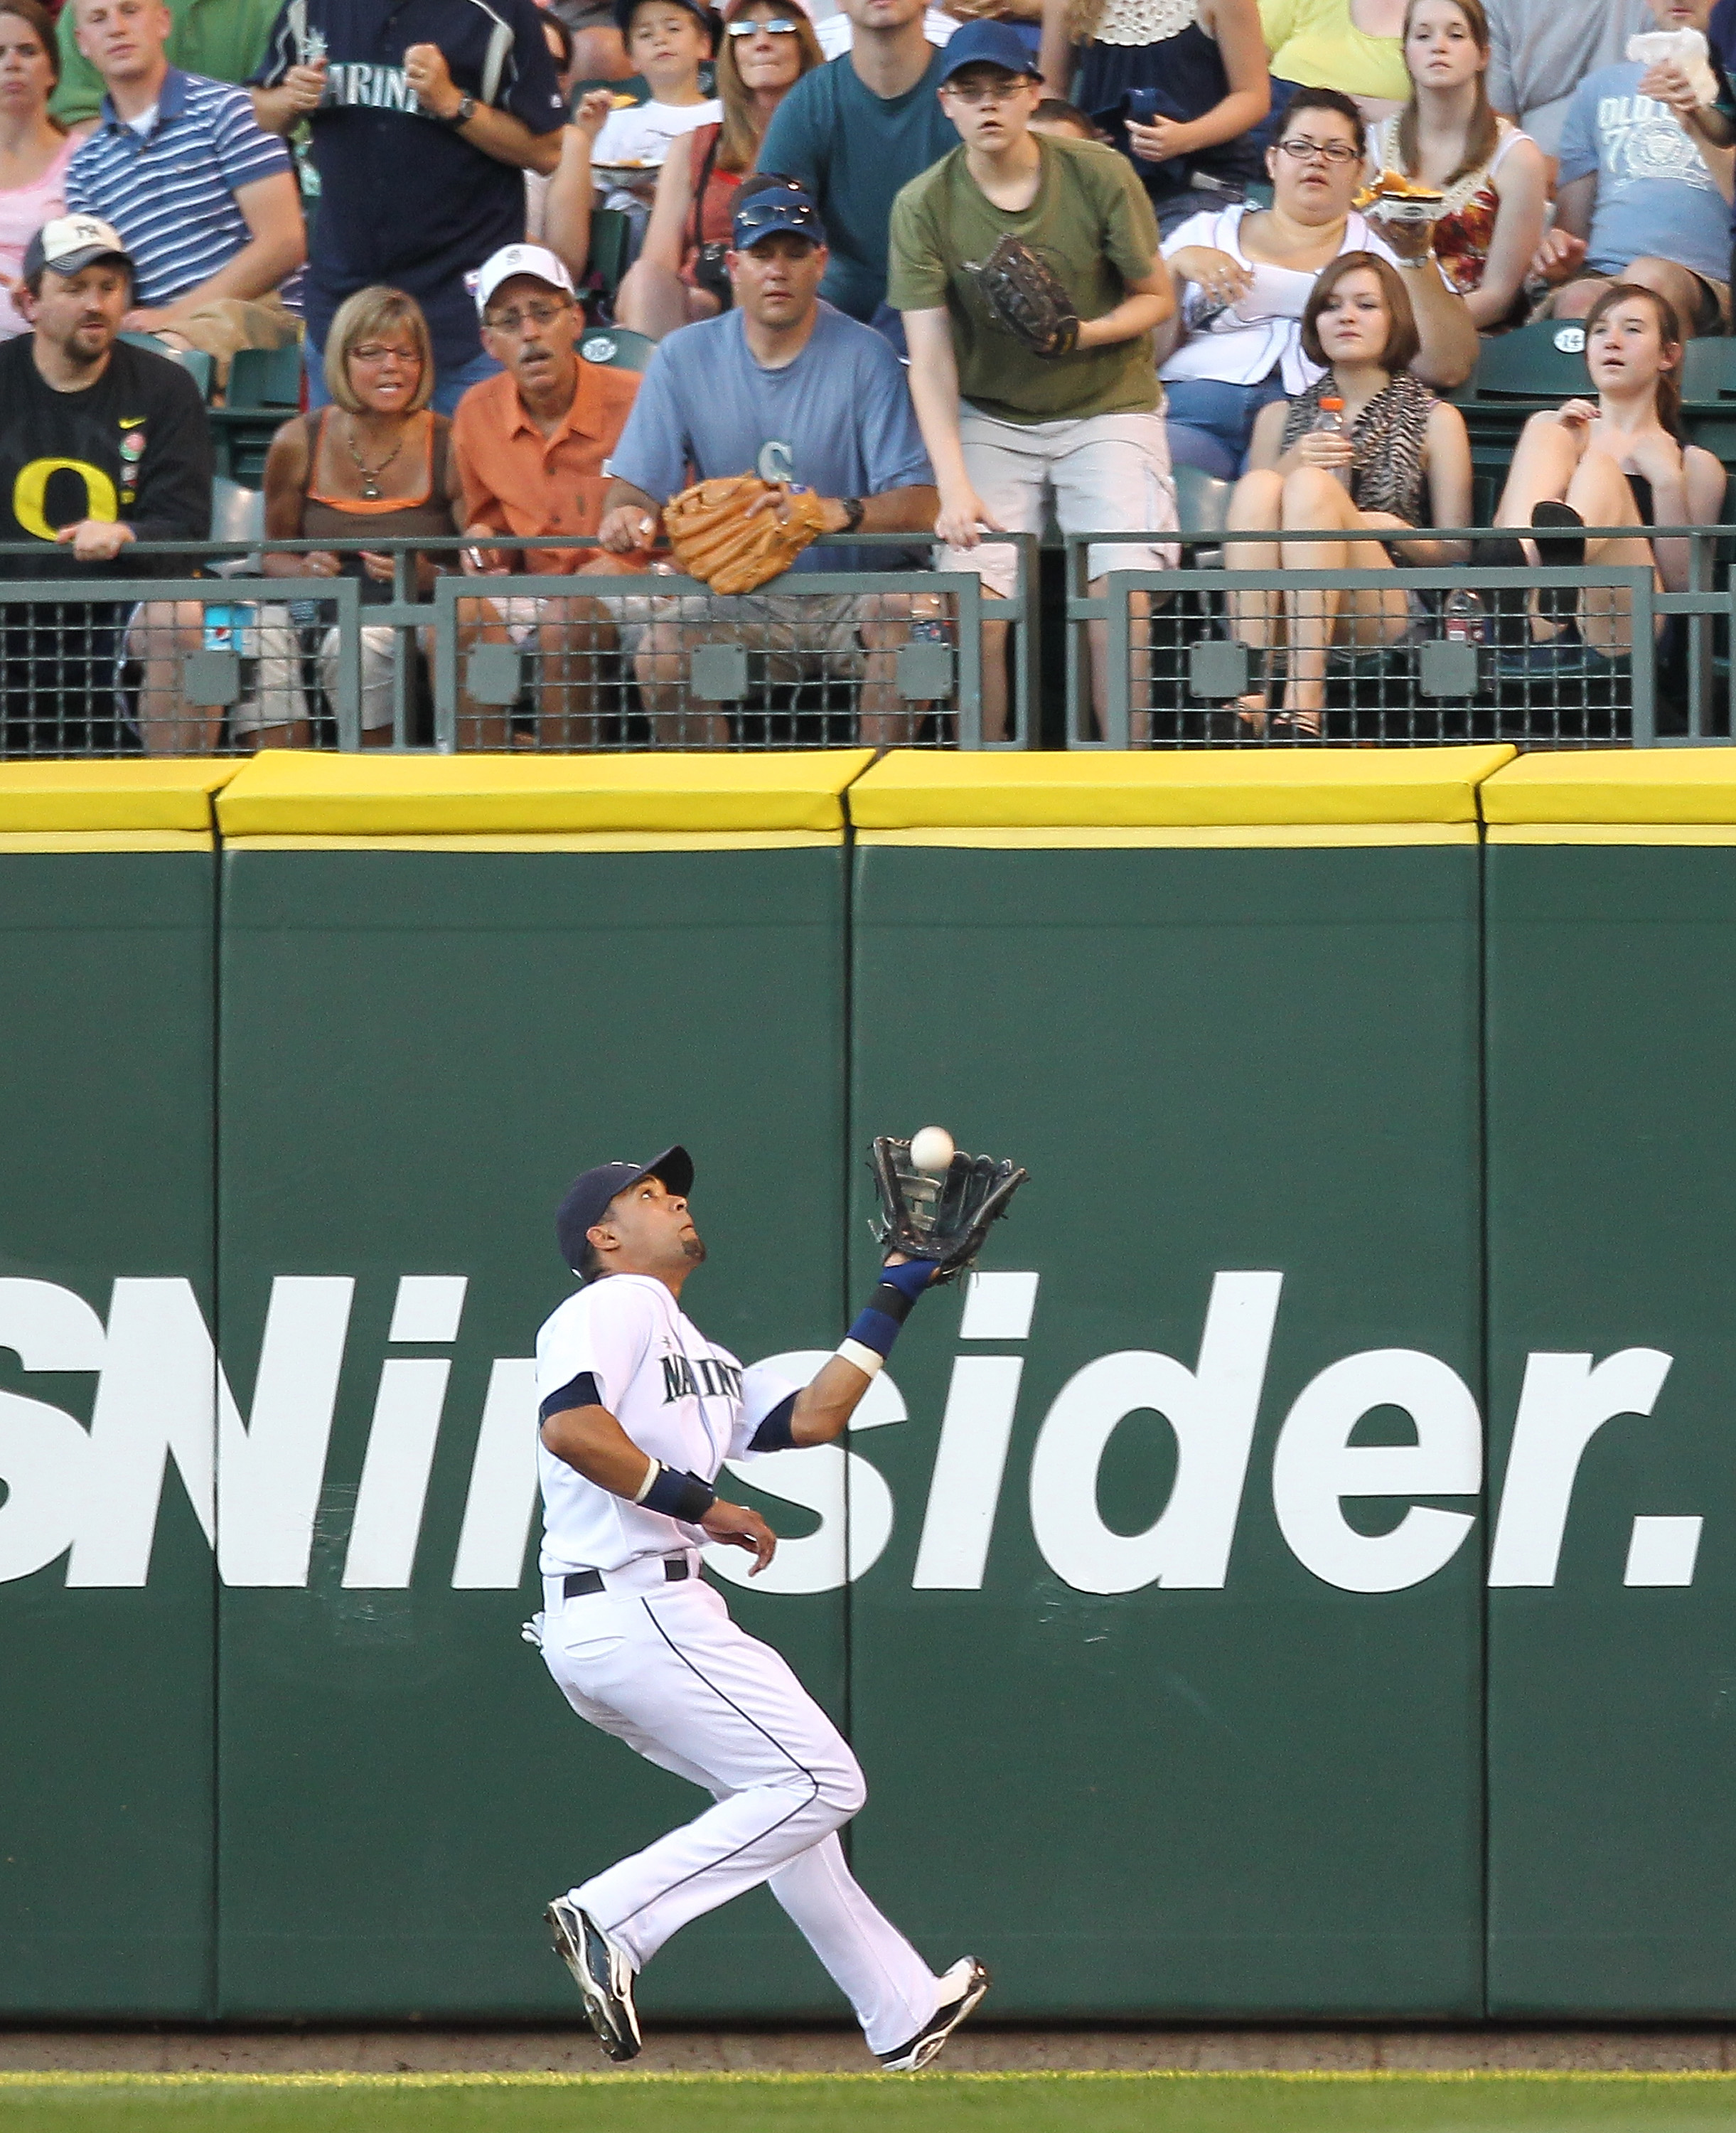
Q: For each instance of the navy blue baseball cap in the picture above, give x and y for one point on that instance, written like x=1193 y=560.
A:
x=587 y=1197
x=775 y=203
x=708 y=17
x=986 y=43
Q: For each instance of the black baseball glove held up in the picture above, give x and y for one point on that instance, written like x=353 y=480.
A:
x=941 y=1215
x=1027 y=298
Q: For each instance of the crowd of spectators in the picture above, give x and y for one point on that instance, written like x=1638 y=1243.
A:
x=411 y=191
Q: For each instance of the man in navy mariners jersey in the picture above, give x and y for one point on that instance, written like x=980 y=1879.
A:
x=425 y=115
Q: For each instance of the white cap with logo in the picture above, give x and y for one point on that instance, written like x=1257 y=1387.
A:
x=70 y=244
x=511 y=259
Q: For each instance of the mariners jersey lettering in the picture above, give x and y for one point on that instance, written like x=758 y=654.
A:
x=680 y=1397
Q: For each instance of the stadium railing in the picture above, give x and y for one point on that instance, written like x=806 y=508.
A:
x=194 y=664
x=1632 y=664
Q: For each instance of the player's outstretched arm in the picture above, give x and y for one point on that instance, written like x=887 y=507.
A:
x=590 y=1441
x=823 y=1408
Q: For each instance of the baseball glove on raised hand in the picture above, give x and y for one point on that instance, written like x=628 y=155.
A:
x=713 y=538
x=943 y=1217
x=1027 y=299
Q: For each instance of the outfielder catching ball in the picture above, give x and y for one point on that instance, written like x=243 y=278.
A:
x=639 y=1411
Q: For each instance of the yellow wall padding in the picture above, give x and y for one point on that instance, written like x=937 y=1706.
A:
x=1667 y=786
x=138 y=793
x=286 y=792
x=911 y=789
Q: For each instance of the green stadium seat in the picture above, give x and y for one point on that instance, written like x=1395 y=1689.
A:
x=616 y=348
x=610 y=248
x=199 y=366
x=1537 y=366
x=237 y=514
x=265 y=389
x=265 y=377
x=1202 y=500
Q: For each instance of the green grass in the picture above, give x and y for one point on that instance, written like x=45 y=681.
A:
x=833 y=2103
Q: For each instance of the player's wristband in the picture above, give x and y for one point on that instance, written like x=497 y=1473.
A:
x=676 y=1495
x=877 y=1323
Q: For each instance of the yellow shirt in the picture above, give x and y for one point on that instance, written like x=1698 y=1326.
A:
x=1315 y=42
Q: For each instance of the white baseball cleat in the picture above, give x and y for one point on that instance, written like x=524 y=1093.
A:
x=603 y=1974
x=961 y=1989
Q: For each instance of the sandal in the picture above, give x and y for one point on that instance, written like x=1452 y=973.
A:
x=1561 y=549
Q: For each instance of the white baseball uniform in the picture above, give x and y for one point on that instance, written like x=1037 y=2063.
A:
x=661 y=1664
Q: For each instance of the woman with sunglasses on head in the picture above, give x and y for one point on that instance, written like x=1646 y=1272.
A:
x=1620 y=460
x=377 y=462
x=1492 y=178
x=679 y=274
x=1244 y=276
x=1399 y=458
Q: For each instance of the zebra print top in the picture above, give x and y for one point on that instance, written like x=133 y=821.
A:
x=1388 y=439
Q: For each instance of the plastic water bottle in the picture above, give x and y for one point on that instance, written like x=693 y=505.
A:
x=1464 y=620
x=1330 y=423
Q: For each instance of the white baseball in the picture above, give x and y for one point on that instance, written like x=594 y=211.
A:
x=931 y=1150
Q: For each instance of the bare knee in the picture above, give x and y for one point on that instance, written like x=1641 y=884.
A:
x=1257 y=498
x=1313 y=496
x=1575 y=300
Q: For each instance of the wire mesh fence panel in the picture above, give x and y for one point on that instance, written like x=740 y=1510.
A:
x=888 y=659
x=170 y=666
x=408 y=652
x=660 y=662
x=1205 y=656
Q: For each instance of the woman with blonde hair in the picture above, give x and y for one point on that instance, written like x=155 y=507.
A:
x=378 y=461
x=1493 y=178
x=678 y=276
x=1397 y=458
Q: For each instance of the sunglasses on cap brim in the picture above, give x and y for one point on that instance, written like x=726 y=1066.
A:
x=794 y=216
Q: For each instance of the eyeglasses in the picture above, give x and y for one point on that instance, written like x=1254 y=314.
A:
x=980 y=92
x=779 y=28
x=533 y=317
x=1301 y=150
x=372 y=352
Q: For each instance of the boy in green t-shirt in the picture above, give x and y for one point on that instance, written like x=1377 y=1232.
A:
x=1003 y=425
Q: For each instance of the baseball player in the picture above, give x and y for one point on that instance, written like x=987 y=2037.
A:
x=639 y=1411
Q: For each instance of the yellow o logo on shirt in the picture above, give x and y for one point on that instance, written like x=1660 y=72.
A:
x=30 y=492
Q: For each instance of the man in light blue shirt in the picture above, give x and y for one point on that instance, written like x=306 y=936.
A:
x=784 y=386
x=1642 y=198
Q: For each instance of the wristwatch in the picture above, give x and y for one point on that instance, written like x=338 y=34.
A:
x=465 y=112
x=853 y=508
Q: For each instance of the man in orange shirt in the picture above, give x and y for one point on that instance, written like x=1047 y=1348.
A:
x=531 y=443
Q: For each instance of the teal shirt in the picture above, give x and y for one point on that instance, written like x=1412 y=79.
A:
x=855 y=153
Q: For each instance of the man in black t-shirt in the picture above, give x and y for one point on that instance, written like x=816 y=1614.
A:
x=102 y=444
x=425 y=115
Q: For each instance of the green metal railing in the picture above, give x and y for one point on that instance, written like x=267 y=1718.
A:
x=102 y=664
x=1188 y=662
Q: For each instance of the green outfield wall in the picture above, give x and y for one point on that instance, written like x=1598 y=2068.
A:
x=1290 y=1583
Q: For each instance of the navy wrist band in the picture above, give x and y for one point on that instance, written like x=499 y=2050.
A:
x=679 y=1495
x=878 y=1322
x=910 y=1279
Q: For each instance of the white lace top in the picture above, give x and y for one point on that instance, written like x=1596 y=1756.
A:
x=1144 y=21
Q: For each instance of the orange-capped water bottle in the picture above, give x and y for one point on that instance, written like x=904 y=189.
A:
x=1330 y=423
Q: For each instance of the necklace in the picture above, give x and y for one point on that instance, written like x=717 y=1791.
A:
x=370 y=475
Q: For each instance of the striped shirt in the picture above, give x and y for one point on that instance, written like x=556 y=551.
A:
x=171 y=192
